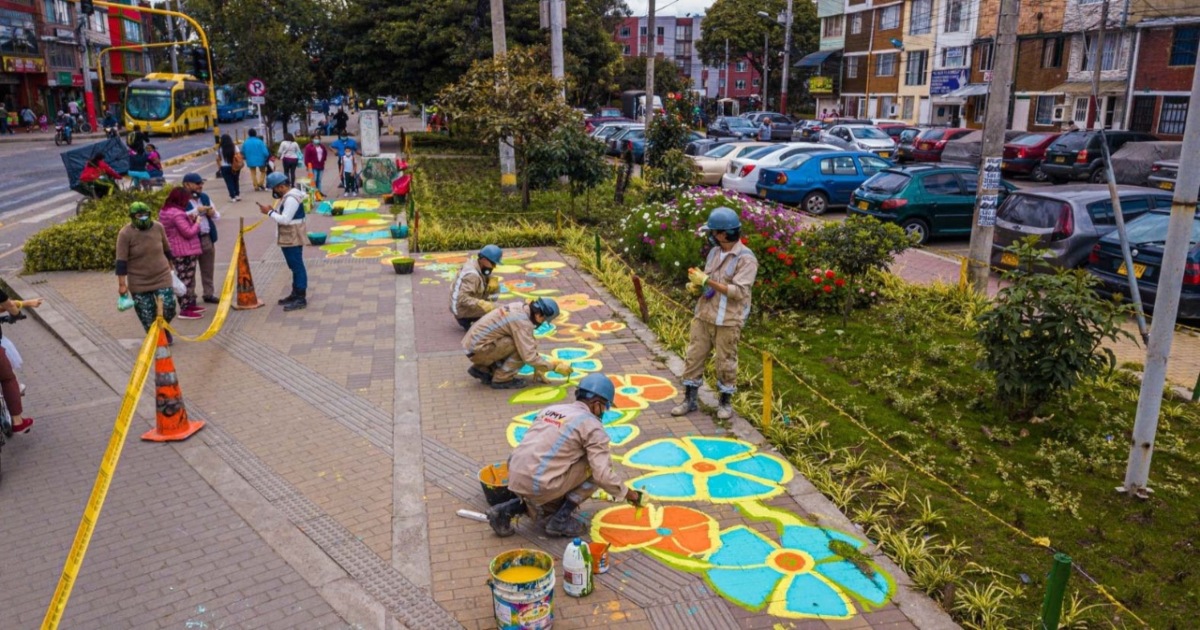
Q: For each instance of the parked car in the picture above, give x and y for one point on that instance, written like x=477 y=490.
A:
x=637 y=143
x=926 y=200
x=604 y=131
x=930 y=143
x=781 y=126
x=1023 y=155
x=810 y=130
x=616 y=141
x=904 y=144
x=895 y=130
x=1163 y=174
x=734 y=127
x=819 y=179
x=1080 y=154
x=715 y=162
x=702 y=146
x=742 y=174
x=1147 y=237
x=1067 y=220
x=860 y=138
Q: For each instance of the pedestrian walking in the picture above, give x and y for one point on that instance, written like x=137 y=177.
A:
x=183 y=233
x=202 y=208
x=315 y=154
x=28 y=119
x=288 y=214
x=502 y=341
x=469 y=296
x=256 y=154
x=4 y=128
x=144 y=266
x=227 y=158
x=8 y=378
x=724 y=286
x=289 y=154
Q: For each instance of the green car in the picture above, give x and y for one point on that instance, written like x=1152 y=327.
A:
x=925 y=199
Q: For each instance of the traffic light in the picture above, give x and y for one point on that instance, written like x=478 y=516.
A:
x=200 y=63
x=86 y=7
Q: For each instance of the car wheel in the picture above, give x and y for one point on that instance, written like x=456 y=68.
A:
x=1098 y=176
x=815 y=203
x=916 y=229
x=1038 y=175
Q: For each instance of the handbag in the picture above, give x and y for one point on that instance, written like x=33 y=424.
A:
x=238 y=162
x=177 y=285
x=124 y=302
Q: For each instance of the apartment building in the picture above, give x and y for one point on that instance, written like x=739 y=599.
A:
x=675 y=40
x=825 y=64
x=1166 y=43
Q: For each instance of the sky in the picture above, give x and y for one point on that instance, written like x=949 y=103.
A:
x=678 y=8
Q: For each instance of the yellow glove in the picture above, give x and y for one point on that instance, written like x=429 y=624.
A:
x=493 y=285
x=696 y=276
x=562 y=367
x=694 y=289
x=486 y=306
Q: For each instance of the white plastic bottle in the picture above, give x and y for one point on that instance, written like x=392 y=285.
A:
x=577 y=569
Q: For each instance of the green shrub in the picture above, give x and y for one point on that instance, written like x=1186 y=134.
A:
x=856 y=247
x=88 y=241
x=674 y=174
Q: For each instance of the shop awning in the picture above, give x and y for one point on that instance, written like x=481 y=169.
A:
x=1085 y=87
x=814 y=60
x=970 y=89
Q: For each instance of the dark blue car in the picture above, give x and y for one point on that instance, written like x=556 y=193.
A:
x=819 y=180
x=637 y=144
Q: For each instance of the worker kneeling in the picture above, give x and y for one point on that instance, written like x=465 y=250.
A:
x=502 y=341
x=474 y=284
x=561 y=461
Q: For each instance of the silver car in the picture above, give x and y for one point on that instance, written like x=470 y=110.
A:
x=1068 y=220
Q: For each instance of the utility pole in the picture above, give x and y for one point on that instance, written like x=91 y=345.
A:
x=1097 y=57
x=999 y=95
x=508 y=160
x=766 y=66
x=171 y=38
x=1166 y=307
x=89 y=100
x=652 y=44
x=557 y=8
x=726 y=71
x=787 y=60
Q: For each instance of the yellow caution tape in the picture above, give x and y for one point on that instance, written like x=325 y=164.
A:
x=108 y=465
x=226 y=300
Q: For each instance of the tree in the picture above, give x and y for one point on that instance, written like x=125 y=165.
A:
x=570 y=153
x=509 y=97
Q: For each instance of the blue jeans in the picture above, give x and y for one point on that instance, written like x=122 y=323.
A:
x=295 y=261
x=317 y=172
x=232 y=183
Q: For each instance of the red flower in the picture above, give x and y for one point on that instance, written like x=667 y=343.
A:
x=771 y=250
x=828 y=288
x=745 y=241
x=816 y=279
x=829 y=273
x=781 y=256
x=840 y=282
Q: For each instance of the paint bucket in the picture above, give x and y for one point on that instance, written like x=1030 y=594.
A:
x=494 y=479
x=599 y=551
x=522 y=582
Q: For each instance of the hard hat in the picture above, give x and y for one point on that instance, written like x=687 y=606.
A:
x=597 y=384
x=724 y=219
x=275 y=179
x=492 y=253
x=138 y=207
x=547 y=307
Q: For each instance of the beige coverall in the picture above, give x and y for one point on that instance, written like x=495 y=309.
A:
x=719 y=317
x=468 y=298
x=502 y=341
x=564 y=454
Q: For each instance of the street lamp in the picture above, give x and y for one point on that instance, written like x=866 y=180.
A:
x=766 y=58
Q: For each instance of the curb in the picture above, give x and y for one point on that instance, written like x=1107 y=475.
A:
x=179 y=159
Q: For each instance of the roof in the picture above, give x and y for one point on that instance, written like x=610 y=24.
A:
x=815 y=59
x=970 y=89
x=1084 y=192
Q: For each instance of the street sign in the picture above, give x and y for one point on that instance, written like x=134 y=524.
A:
x=256 y=87
x=258 y=100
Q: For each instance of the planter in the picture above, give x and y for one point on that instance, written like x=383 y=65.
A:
x=399 y=231
x=316 y=238
x=403 y=266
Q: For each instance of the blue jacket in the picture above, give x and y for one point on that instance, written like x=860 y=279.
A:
x=254 y=151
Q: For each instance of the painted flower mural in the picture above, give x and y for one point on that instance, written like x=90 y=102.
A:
x=672 y=529
x=606 y=327
x=615 y=424
x=580 y=359
x=799 y=577
x=637 y=391
x=693 y=468
x=577 y=302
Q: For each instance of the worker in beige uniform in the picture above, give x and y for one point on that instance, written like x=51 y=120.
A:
x=469 y=297
x=724 y=286
x=502 y=341
x=561 y=461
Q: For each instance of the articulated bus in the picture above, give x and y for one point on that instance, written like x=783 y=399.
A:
x=232 y=104
x=166 y=103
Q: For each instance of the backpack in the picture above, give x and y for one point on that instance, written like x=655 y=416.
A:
x=238 y=162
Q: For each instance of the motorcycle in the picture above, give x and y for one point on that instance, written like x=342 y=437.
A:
x=6 y=424
x=62 y=135
x=111 y=132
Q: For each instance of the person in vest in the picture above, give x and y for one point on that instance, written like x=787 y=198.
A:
x=502 y=341
x=288 y=214
x=469 y=297
x=724 y=286
x=561 y=461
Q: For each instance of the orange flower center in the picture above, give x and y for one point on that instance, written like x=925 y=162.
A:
x=704 y=467
x=790 y=561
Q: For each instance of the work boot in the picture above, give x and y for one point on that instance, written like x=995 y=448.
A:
x=500 y=517
x=298 y=302
x=564 y=524
x=484 y=377
x=725 y=407
x=690 y=402
x=516 y=383
x=291 y=296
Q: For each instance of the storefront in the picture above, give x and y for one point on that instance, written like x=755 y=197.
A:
x=22 y=68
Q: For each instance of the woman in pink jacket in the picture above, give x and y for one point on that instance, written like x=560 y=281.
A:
x=183 y=235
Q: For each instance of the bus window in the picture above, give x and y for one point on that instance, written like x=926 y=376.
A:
x=148 y=104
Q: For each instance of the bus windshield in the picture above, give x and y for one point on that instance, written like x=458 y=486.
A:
x=148 y=104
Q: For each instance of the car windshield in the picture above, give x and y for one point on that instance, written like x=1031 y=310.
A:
x=869 y=133
x=1151 y=229
x=932 y=134
x=147 y=104
x=889 y=182
x=1031 y=210
x=764 y=151
x=740 y=123
x=719 y=151
x=908 y=134
x=1029 y=139
x=795 y=161
x=1070 y=142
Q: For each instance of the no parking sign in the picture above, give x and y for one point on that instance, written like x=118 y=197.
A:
x=256 y=87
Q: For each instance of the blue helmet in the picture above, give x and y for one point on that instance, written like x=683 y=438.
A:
x=275 y=179
x=547 y=307
x=492 y=253
x=596 y=384
x=724 y=219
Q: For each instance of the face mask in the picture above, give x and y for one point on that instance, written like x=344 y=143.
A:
x=142 y=222
x=277 y=195
x=486 y=271
x=712 y=238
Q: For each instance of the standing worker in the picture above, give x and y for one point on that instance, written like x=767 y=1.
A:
x=561 y=461
x=502 y=341
x=724 y=286
x=288 y=214
x=469 y=297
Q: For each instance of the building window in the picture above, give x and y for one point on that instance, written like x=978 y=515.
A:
x=740 y=84
x=683 y=49
x=1173 y=115
x=832 y=26
x=915 y=73
x=981 y=103
x=1079 y=114
x=954 y=57
x=683 y=32
x=856 y=24
x=131 y=31
x=624 y=31
x=852 y=68
x=921 y=17
x=755 y=82
x=907 y=114
x=642 y=32
x=740 y=67
x=1044 y=114
x=1185 y=45
x=954 y=16
x=56 y=12
x=63 y=56
x=985 y=56
x=1052 y=51
x=625 y=50
x=1108 y=61
x=862 y=108
x=1142 y=117
x=889 y=18
x=721 y=84
x=1084 y=2
x=886 y=103
x=885 y=65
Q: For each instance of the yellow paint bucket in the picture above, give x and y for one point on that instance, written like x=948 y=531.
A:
x=522 y=582
x=494 y=479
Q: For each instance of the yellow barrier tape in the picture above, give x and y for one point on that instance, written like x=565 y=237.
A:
x=108 y=465
x=226 y=300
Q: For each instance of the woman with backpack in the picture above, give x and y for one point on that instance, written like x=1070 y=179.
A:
x=229 y=163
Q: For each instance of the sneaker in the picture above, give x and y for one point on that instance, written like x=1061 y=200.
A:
x=211 y=299
x=190 y=313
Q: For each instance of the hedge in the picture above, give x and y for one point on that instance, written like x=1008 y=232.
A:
x=87 y=242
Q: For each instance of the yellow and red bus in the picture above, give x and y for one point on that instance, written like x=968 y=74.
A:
x=166 y=103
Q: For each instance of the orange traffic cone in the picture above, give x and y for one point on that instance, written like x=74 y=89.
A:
x=246 y=297
x=171 y=418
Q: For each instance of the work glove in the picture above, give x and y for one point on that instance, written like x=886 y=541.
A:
x=493 y=285
x=694 y=289
x=562 y=367
x=698 y=277
x=634 y=497
x=486 y=307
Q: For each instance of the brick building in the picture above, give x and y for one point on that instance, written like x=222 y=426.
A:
x=675 y=40
x=1162 y=77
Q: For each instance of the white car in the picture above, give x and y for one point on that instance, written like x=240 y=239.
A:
x=714 y=163
x=860 y=138
x=742 y=174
